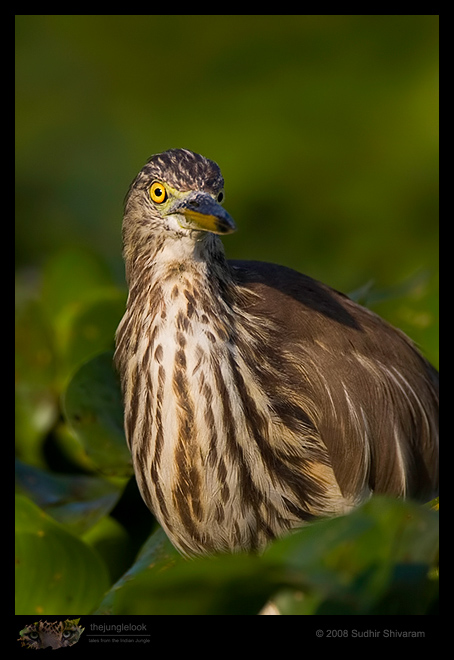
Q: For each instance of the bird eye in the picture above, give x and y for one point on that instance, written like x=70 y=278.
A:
x=220 y=197
x=158 y=192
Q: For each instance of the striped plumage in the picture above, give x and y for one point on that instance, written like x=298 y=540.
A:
x=255 y=397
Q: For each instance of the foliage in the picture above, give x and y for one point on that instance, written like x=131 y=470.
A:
x=326 y=131
x=374 y=561
x=55 y=571
x=73 y=473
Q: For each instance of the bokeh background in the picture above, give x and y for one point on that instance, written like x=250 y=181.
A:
x=325 y=127
x=326 y=130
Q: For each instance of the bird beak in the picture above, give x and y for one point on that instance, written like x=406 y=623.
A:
x=201 y=212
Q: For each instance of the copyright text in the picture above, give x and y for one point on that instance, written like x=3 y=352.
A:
x=387 y=632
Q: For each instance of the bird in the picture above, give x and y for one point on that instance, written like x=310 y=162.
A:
x=256 y=399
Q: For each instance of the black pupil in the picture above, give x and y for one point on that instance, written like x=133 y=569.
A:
x=220 y=197
x=158 y=192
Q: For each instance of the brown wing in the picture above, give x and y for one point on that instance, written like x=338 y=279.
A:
x=362 y=384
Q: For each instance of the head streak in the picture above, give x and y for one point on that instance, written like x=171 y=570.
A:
x=182 y=169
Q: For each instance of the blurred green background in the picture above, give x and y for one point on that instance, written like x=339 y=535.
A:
x=325 y=127
x=326 y=130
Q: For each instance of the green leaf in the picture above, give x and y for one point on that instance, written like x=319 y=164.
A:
x=90 y=329
x=55 y=571
x=113 y=544
x=36 y=402
x=94 y=410
x=162 y=582
x=77 y=501
x=157 y=554
x=82 y=305
x=352 y=563
x=376 y=560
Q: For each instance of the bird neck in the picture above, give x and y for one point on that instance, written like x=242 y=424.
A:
x=176 y=286
x=165 y=257
x=187 y=350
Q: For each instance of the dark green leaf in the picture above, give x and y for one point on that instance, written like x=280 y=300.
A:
x=78 y=501
x=94 y=410
x=162 y=582
x=90 y=330
x=55 y=571
x=355 y=564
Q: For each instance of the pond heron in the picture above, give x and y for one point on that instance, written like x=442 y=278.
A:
x=255 y=398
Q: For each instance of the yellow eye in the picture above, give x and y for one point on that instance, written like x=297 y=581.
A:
x=158 y=192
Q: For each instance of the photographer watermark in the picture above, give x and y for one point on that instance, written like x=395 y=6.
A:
x=372 y=633
x=118 y=633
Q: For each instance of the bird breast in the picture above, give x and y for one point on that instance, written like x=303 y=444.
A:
x=198 y=424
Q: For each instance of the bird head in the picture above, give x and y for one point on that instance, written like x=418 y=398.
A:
x=179 y=192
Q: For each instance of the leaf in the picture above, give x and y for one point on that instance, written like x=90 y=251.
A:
x=112 y=542
x=90 y=329
x=375 y=560
x=93 y=408
x=163 y=582
x=55 y=571
x=157 y=554
x=352 y=563
x=36 y=403
x=77 y=501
